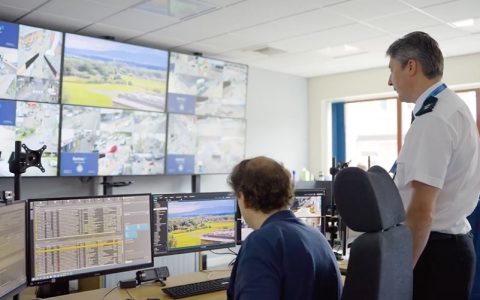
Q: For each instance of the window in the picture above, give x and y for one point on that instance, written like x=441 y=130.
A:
x=371 y=131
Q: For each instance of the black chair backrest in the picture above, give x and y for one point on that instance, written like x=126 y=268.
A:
x=380 y=263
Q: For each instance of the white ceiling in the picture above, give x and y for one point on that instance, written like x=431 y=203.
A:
x=309 y=37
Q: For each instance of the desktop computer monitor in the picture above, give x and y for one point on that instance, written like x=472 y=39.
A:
x=306 y=205
x=77 y=237
x=193 y=222
x=12 y=249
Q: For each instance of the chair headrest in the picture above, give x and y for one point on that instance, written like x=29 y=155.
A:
x=368 y=201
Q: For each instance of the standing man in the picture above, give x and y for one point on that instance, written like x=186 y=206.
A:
x=282 y=258
x=437 y=171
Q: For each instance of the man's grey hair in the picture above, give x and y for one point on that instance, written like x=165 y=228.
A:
x=421 y=47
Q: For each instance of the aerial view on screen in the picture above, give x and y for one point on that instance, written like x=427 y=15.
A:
x=181 y=147
x=35 y=125
x=220 y=144
x=102 y=141
x=30 y=61
x=201 y=222
x=204 y=86
x=105 y=73
x=232 y=102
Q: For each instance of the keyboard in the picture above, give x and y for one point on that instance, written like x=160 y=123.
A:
x=197 y=288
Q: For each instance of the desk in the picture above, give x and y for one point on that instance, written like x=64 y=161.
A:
x=153 y=290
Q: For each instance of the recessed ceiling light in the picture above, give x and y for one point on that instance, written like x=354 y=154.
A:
x=180 y=9
x=338 y=50
x=463 y=23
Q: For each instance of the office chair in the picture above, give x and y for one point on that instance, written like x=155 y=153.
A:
x=380 y=266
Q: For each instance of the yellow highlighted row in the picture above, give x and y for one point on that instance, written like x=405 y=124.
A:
x=78 y=247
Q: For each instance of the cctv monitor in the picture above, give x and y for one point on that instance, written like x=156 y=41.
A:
x=203 y=144
x=111 y=142
x=30 y=59
x=306 y=205
x=74 y=237
x=193 y=222
x=12 y=249
x=206 y=87
x=105 y=73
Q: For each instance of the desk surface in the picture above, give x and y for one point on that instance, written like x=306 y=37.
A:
x=153 y=290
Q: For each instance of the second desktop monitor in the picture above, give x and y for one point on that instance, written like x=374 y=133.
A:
x=193 y=222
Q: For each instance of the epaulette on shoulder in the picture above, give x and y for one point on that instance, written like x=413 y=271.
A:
x=427 y=106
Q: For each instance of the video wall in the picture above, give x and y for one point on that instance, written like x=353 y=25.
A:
x=105 y=108
x=206 y=104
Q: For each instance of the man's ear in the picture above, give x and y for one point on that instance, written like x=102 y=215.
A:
x=413 y=66
x=241 y=197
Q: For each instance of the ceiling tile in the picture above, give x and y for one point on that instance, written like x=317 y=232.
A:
x=22 y=4
x=102 y=30
x=426 y=3
x=228 y=42
x=205 y=50
x=443 y=32
x=158 y=40
x=378 y=44
x=10 y=14
x=455 y=11
x=366 y=9
x=222 y=3
x=144 y=21
x=121 y=4
x=84 y=10
x=55 y=22
x=327 y=38
x=406 y=21
x=299 y=24
x=469 y=44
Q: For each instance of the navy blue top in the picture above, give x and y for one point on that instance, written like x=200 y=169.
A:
x=285 y=259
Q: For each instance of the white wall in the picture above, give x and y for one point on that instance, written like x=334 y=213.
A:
x=459 y=72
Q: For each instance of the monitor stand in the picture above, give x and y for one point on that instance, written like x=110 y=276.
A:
x=47 y=290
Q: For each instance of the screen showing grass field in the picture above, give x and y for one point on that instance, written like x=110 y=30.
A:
x=105 y=73
x=35 y=125
x=193 y=222
x=106 y=142
x=30 y=59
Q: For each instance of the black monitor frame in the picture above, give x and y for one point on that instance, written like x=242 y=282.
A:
x=20 y=287
x=197 y=197
x=30 y=250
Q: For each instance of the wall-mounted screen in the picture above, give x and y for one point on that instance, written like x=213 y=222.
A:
x=193 y=222
x=204 y=86
x=35 y=125
x=30 y=59
x=204 y=145
x=220 y=144
x=106 y=142
x=105 y=73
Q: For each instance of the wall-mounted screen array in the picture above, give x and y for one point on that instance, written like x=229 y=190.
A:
x=204 y=86
x=193 y=222
x=110 y=74
x=13 y=277
x=106 y=142
x=35 y=124
x=115 y=106
x=204 y=145
x=76 y=237
x=30 y=61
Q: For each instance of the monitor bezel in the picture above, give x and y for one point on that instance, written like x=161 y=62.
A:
x=205 y=247
x=22 y=286
x=29 y=252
